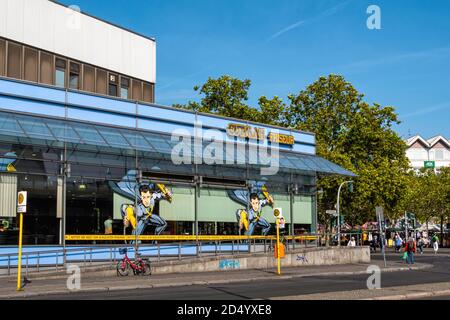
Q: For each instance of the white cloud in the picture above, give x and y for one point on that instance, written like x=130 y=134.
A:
x=326 y=13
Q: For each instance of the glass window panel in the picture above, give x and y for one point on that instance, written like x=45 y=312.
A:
x=137 y=141
x=159 y=143
x=114 y=138
x=74 y=81
x=89 y=135
x=64 y=132
x=112 y=90
x=36 y=128
x=124 y=93
x=9 y=125
x=60 y=76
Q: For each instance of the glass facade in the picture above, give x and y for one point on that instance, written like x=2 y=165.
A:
x=81 y=170
x=87 y=183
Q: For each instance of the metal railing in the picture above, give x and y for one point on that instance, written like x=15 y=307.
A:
x=107 y=254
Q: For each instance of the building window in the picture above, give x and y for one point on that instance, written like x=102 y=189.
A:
x=74 y=76
x=2 y=57
x=14 y=61
x=46 y=69
x=60 y=73
x=112 y=86
x=31 y=65
x=439 y=154
x=101 y=81
x=89 y=78
x=124 y=88
x=137 y=90
x=148 y=92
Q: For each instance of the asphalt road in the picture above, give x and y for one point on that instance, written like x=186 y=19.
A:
x=275 y=288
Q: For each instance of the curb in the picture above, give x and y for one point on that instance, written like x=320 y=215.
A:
x=411 y=296
x=210 y=282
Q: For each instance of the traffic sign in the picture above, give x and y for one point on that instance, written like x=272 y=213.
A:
x=277 y=212
x=22 y=202
x=429 y=164
x=332 y=212
x=22 y=198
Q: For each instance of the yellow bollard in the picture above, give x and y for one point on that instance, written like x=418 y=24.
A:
x=278 y=246
x=19 y=262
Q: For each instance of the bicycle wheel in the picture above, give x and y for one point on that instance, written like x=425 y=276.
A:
x=123 y=268
x=147 y=271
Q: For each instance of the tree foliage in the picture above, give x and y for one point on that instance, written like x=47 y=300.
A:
x=359 y=137
x=429 y=198
x=227 y=96
x=349 y=132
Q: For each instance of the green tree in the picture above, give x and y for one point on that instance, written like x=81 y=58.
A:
x=359 y=137
x=227 y=96
x=349 y=132
x=430 y=196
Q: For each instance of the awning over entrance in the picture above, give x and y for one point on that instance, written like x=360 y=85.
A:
x=88 y=136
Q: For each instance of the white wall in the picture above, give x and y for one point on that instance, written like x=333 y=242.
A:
x=52 y=27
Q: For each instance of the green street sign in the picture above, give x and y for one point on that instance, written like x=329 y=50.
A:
x=429 y=164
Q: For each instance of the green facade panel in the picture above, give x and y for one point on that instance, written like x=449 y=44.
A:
x=303 y=209
x=216 y=205
x=182 y=207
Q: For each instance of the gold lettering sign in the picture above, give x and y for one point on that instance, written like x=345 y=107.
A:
x=281 y=138
x=244 y=131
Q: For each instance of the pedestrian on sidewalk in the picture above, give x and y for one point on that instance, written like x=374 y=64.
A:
x=435 y=241
x=398 y=243
x=352 y=242
x=375 y=242
x=420 y=244
x=410 y=249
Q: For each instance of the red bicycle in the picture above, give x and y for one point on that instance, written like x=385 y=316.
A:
x=139 y=266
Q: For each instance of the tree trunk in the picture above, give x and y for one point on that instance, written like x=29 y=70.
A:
x=442 y=231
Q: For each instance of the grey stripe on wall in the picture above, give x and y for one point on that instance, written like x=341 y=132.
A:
x=8 y=195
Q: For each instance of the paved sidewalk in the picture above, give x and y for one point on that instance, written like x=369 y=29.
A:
x=104 y=284
x=392 y=293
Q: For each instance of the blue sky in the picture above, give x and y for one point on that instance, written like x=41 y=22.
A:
x=282 y=46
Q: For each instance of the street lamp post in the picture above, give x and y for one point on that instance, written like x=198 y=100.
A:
x=338 y=211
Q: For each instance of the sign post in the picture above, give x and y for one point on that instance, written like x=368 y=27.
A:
x=380 y=218
x=277 y=213
x=21 y=208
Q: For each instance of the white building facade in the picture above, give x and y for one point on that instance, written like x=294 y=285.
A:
x=433 y=152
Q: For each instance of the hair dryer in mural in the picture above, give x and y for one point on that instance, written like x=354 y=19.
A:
x=148 y=195
x=249 y=219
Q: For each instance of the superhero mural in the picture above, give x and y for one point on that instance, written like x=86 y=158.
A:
x=148 y=196
x=249 y=219
x=7 y=162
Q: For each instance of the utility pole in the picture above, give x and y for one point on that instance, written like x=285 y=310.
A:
x=338 y=211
